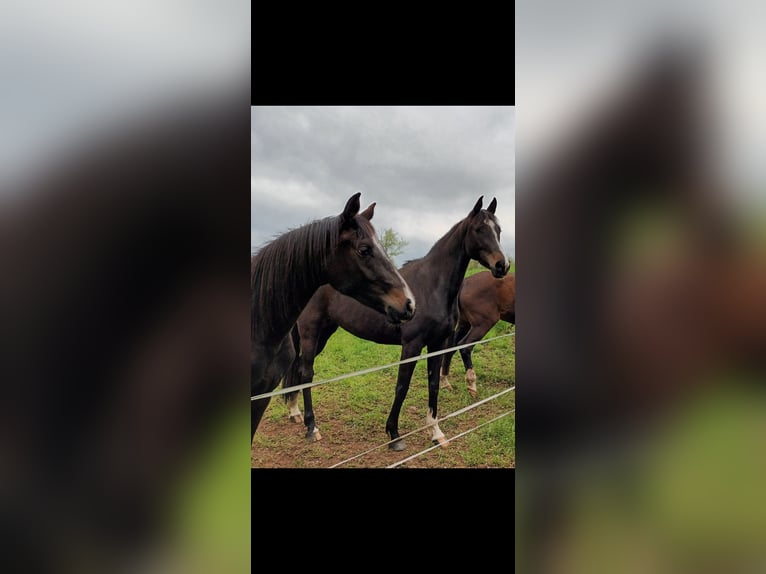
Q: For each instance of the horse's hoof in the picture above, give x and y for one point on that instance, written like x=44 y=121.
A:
x=444 y=382
x=472 y=392
x=296 y=419
x=397 y=445
x=313 y=436
x=440 y=441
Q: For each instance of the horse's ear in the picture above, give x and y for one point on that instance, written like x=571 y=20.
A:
x=477 y=208
x=369 y=212
x=352 y=207
x=492 y=205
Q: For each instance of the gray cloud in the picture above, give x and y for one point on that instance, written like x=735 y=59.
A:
x=424 y=166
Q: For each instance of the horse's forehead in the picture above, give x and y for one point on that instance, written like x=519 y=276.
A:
x=365 y=228
x=491 y=220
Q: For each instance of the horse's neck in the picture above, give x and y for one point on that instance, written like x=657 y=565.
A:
x=443 y=268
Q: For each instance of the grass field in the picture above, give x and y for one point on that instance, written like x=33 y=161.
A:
x=351 y=413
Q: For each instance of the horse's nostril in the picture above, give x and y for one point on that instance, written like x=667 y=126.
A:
x=409 y=306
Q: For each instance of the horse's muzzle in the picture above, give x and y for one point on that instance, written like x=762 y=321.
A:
x=500 y=269
x=396 y=316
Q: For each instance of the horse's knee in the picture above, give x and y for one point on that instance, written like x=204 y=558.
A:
x=306 y=373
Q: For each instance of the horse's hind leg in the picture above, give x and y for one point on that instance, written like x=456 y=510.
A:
x=462 y=330
x=475 y=333
x=277 y=369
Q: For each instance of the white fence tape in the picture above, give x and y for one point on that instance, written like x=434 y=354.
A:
x=295 y=388
x=449 y=416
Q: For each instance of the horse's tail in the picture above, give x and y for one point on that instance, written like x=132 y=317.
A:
x=457 y=312
x=292 y=376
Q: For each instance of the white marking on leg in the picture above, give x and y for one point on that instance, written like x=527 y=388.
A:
x=295 y=412
x=437 y=433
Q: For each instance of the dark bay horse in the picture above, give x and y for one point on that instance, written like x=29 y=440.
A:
x=435 y=279
x=341 y=250
x=483 y=301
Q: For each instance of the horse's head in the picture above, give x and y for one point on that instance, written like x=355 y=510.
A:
x=482 y=239
x=361 y=269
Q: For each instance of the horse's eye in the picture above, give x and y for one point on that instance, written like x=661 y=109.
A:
x=365 y=251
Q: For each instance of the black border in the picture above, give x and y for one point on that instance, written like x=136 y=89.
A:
x=398 y=59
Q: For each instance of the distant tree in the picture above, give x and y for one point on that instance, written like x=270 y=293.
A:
x=392 y=242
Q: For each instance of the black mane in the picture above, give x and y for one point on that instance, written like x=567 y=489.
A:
x=303 y=251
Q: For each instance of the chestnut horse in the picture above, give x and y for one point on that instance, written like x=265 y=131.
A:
x=483 y=301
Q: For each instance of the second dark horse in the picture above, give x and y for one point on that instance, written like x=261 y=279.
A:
x=435 y=281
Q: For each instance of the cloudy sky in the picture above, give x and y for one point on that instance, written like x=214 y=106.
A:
x=425 y=167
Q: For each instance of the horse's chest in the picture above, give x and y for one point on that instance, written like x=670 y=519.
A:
x=431 y=326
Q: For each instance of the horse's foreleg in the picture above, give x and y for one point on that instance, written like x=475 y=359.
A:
x=261 y=357
x=301 y=372
x=274 y=372
x=402 y=386
x=312 y=344
x=312 y=430
x=293 y=378
x=437 y=436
